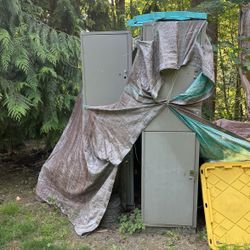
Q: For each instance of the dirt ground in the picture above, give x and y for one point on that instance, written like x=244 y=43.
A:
x=49 y=229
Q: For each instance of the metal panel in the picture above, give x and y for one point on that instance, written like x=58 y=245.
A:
x=106 y=59
x=166 y=121
x=127 y=182
x=169 y=180
x=147 y=32
x=175 y=83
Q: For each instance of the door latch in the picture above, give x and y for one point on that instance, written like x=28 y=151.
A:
x=192 y=174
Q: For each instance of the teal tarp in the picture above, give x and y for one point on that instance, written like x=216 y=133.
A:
x=170 y=15
x=199 y=90
x=216 y=144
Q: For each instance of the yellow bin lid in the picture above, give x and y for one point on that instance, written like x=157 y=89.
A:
x=226 y=198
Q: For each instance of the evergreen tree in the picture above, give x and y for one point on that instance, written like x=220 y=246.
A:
x=39 y=68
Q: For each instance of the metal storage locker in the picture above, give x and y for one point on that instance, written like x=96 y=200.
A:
x=106 y=60
x=170 y=158
x=169 y=167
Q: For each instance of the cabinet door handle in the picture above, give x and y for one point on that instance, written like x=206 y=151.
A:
x=125 y=75
x=192 y=174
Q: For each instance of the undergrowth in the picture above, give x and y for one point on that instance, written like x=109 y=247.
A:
x=131 y=223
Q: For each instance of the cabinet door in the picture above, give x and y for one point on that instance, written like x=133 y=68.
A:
x=169 y=184
x=106 y=59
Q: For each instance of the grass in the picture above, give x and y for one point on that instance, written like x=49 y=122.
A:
x=32 y=226
x=9 y=209
x=234 y=248
x=172 y=238
x=114 y=247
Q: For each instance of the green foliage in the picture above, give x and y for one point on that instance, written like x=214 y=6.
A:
x=230 y=97
x=202 y=234
x=131 y=223
x=98 y=15
x=172 y=238
x=40 y=72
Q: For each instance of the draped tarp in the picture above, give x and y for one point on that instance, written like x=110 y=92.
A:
x=80 y=172
x=240 y=128
x=216 y=144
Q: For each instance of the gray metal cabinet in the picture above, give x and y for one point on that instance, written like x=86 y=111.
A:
x=169 y=178
x=175 y=83
x=170 y=158
x=106 y=60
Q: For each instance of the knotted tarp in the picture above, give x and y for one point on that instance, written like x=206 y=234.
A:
x=80 y=172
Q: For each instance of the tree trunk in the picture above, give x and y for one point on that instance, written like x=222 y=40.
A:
x=113 y=14
x=244 y=45
x=212 y=31
x=120 y=14
x=131 y=9
x=238 y=114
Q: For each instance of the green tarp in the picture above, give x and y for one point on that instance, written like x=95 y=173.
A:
x=216 y=144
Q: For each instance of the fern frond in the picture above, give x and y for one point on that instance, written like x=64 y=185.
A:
x=53 y=55
x=32 y=81
x=37 y=47
x=63 y=45
x=6 y=49
x=50 y=124
x=54 y=39
x=21 y=58
x=5 y=84
x=44 y=35
x=17 y=105
x=20 y=85
x=22 y=63
x=47 y=71
x=5 y=38
x=5 y=60
x=34 y=96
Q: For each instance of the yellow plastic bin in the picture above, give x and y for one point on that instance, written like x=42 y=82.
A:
x=226 y=198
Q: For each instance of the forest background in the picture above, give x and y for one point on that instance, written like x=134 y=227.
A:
x=40 y=67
